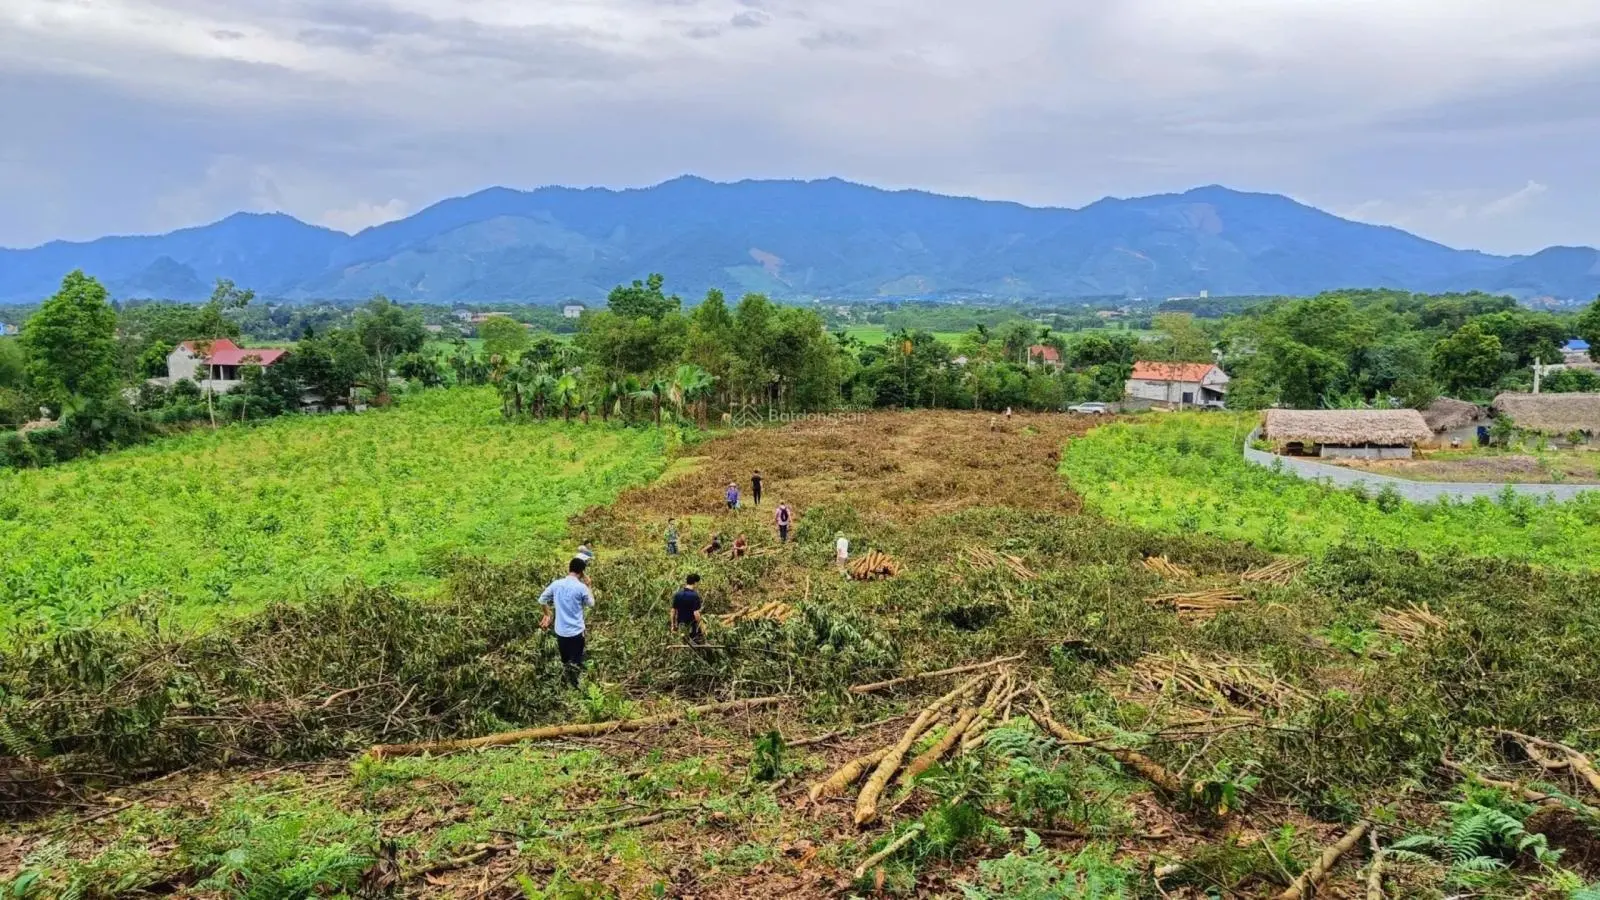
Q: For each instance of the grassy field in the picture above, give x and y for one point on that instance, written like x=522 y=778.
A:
x=1184 y=473
x=877 y=334
x=219 y=522
x=1174 y=714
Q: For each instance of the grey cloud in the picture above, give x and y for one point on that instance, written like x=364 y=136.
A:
x=701 y=32
x=225 y=34
x=750 y=18
x=834 y=39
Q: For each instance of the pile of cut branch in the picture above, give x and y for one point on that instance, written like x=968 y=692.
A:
x=1279 y=573
x=1166 y=568
x=1220 y=680
x=1414 y=623
x=873 y=566
x=1199 y=605
x=777 y=611
x=986 y=558
x=963 y=718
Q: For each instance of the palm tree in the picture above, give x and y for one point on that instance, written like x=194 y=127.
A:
x=690 y=385
x=566 y=394
x=653 y=393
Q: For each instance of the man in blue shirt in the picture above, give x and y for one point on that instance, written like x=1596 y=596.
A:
x=567 y=598
x=686 y=608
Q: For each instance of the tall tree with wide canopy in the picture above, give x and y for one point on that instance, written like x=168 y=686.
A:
x=71 y=344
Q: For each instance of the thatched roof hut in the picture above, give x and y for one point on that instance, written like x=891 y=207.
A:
x=1347 y=427
x=1448 y=414
x=1551 y=413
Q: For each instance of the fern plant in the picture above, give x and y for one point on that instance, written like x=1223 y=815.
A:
x=1482 y=840
x=1039 y=875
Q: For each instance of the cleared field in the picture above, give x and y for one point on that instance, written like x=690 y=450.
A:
x=222 y=521
x=1497 y=466
x=1184 y=473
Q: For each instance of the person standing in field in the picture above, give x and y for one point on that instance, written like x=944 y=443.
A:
x=732 y=495
x=755 y=488
x=566 y=599
x=672 y=537
x=686 y=608
x=841 y=549
x=785 y=518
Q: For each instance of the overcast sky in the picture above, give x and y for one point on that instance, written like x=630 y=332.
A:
x=1473 y=122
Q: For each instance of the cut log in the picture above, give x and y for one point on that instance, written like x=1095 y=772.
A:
x=1575 y=760
x=1311 y=879
x=867 y=801
x=551 y=732
x=940 y=673
x=836 y=783
x=935 y=753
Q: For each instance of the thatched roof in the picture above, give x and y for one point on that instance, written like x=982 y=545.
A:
x=1448 y=413
x=1551 y=413
x=1348 y=427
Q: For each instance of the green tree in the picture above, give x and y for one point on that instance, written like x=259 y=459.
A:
x=503 y=336
x=1588 y=328
x=386 y=331
x=71 y=343
x=1181 y=339
x=1468 y=360
x=643 y=299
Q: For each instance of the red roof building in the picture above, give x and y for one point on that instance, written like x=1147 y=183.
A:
x=221 y=368
x=1045 y=355
x=1175 y=384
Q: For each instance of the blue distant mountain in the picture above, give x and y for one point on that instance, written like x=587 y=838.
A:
x=796 y=239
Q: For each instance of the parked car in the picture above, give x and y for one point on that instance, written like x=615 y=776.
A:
x=1090 y=409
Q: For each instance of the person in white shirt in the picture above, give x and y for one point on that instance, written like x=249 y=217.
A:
x=841 y=549
x=566 y=599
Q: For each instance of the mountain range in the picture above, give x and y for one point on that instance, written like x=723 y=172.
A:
x=798 y=239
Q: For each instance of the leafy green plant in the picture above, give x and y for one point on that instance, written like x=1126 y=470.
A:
x=1481 y=839
x=767 y=765
x=275 y=863
x=1036 y=874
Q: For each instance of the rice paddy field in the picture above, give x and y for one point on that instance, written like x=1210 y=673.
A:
x=1059 y=690
x=218 y=523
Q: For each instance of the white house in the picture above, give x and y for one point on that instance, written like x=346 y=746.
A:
x=1178 y=384
x=220 y=370
x=572 y=310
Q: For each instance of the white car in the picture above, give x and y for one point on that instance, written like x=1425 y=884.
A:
x=1090 y=409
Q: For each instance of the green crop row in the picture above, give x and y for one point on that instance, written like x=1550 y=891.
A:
x=1186 y=473
x=220 y=522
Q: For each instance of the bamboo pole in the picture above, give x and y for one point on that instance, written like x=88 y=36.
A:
x=1147 y=768
x=1311 y=879
x=907 y=679
x=935 y=753
x=888 y=851
x=551 y=732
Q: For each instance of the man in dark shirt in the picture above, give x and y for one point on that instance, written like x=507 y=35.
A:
x=755 y=487
x=686 y=608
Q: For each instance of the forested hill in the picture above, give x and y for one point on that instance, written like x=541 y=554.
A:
x=798 y=239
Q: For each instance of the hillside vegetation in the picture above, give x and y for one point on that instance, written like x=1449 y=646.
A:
x=1185 y=473
x=220 y=522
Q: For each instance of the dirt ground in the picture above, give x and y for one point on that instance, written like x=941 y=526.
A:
x=1570 y=467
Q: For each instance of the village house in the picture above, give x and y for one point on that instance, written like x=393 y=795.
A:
x=1555 y=415
x=572 y=310
x=1576 y=353
x=1177 y=384
x=1453 y=421
x=219 y=370
x=1346 y=433
x=1044 y=355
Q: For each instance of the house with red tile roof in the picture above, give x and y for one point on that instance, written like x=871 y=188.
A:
x=1177 y=384
x=1044 y=355
x=217 y=365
